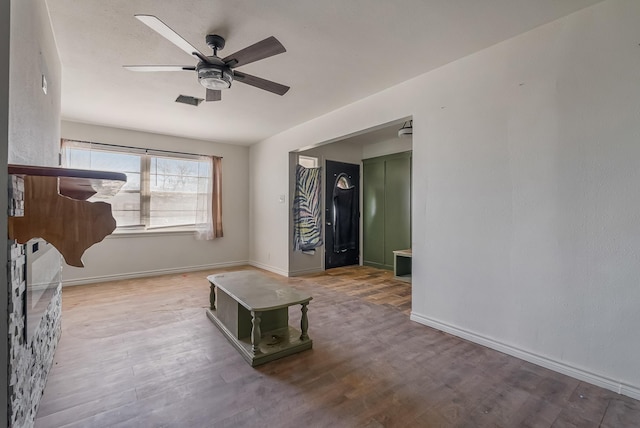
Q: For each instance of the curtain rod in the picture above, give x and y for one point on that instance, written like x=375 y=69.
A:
x=138 y=148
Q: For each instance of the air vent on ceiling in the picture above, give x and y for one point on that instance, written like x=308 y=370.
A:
x=186 y=99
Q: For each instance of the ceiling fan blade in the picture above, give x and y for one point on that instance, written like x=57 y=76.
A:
x=165 y=31
x=261 y=50
x=213 y=95
x=159 y=67
x=260 y=83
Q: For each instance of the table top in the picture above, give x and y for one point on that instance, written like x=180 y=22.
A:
x=258 y=292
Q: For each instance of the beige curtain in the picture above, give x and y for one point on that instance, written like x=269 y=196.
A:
x=210 y=224
x=216 y=197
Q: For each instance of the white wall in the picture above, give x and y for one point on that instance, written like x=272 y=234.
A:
x=5 y=13
x=525 y=201
x=127 y=256
x=34 y=118
x=387 y=147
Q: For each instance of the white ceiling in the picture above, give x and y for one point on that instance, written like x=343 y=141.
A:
x=338 y=51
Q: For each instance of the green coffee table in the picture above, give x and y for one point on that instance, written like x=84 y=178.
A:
x=252 y=310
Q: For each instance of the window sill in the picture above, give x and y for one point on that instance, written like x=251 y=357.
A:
x=157 y=232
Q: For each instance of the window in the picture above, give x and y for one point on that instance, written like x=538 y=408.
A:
x=307 y=161
x=177 y=191
x=163 y=190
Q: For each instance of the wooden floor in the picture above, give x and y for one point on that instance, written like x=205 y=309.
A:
x=142 y=353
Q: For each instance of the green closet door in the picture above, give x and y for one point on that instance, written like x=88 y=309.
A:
x=386 y=218
x=373 y=213
x=397 y=230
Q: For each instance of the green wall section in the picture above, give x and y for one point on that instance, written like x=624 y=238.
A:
x=386 y=193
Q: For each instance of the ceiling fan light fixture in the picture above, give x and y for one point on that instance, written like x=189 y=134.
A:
x=215 y=78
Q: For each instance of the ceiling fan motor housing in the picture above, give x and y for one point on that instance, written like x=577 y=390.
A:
x=215 y=42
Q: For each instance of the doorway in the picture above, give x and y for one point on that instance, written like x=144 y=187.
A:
x=342 y=214
x=350 y=150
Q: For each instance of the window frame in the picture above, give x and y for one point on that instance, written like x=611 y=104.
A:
x=308 y=161
x=146 y=156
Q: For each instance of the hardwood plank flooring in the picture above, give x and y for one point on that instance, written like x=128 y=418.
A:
x=142 y=353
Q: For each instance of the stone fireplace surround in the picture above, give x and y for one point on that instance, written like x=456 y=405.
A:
x=54 y=207
x=29 y=361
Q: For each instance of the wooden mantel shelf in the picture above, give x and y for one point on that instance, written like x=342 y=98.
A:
x=80 y=184
x=56 y=210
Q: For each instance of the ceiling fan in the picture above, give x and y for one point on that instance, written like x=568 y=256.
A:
x=213 y=72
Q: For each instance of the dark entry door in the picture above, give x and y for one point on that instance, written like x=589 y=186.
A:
x=342 y=215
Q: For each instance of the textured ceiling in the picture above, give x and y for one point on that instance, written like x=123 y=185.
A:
x=338 y=52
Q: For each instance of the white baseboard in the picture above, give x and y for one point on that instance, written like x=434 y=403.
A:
x=551 y=364
x=268 y=267
x=155 y=272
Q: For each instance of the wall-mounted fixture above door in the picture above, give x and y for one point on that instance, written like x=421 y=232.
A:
x=406 y=130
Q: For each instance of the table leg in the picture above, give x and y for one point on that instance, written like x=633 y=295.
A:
x=304 y=323
x=256 y=335
x=212 y=297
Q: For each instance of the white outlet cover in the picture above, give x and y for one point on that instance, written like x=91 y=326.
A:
x=44 y=84
x=281 y=198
